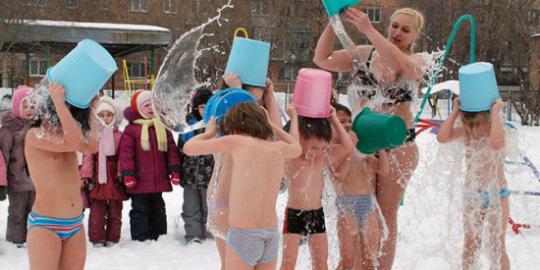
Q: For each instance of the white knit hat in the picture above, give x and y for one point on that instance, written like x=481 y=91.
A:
x=106 y=103
x=143 y=98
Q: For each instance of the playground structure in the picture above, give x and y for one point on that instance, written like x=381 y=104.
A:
x=146 y=82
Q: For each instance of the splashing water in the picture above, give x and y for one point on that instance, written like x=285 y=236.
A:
x=176 y=81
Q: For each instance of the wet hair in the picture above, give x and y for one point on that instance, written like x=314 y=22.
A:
x=416 y=15
x=247 y=118
x=202 y=95
x=342 y=108
x=81 y=116
x=472 y=121
x=318 y=128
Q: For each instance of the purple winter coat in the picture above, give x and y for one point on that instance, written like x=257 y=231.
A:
x=12 y=136
x=151 y=168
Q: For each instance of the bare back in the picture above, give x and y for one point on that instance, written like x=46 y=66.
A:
x=56 y=179
x=257 y=170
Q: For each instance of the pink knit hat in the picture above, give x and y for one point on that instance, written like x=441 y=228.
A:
x=19 y=96
x=143 y=98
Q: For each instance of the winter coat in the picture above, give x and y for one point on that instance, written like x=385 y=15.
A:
x=12 y=136
x=114 y=188
x=151 y=168
x=196 y=170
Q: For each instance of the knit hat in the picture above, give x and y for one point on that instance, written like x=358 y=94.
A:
x=19 y=96
x=106 y=103
x=141 y=99
x=133 y=101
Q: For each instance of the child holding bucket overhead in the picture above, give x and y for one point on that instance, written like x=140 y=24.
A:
x=21 y=191
x=304 y=175
x=149 y=163
x=100 y=171
x=257 y=169
x=485 y=188
x=357 y=222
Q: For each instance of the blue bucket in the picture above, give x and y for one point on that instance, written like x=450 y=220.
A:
x=221 y=102
x=478 y=87
x=334 y=7
x=249 y=59
x=83 y=72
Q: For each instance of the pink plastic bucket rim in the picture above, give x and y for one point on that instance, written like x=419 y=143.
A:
x=308 y=111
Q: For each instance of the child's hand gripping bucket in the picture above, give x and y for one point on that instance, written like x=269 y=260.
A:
x=83 y=72
x=249 y=59
x=378 y=131
x=221 y=102
x=334 y=7
x=478 y=87
x=312 y=93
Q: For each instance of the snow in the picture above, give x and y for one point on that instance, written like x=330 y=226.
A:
x=115 y=26
x=424 y=242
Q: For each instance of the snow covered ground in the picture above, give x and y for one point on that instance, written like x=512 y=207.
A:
x=427 y=222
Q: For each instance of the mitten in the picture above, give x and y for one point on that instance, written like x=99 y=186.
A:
x=130 y=181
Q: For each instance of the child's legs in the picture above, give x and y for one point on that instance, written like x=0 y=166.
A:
x=204 y=207
x=192 y=214
x=472 y=228
x=234 y=262
x=291 y=241
x=73 y=252
x=347 y=231
x=44 y=249
x=20 y=204
x=158 y=216
x=368 y=244
x=138 y=217
x=96 y=221
x=318 y=247
x=271 y=265
x=497 y=222
x=114 y=220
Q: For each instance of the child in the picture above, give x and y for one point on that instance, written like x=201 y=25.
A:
x=149 y=163
x=357 y=223
x=21 y=192
x=196 y=173
x=100 y=171
x=257 y=168
x=304 y=175
x=486 y=191
x=218 y=190
x=55 y=230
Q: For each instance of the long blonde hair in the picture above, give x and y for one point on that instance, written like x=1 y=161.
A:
x=416 y=15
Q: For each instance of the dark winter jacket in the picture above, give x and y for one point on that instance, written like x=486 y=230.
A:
x=151 y=168
x=196 y=170
x=113 y=189
x=12 y=136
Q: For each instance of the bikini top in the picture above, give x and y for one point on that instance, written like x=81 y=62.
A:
x=399 y=92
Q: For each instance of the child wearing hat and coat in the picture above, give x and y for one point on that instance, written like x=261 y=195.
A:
x=100 y=171
x=149 y=163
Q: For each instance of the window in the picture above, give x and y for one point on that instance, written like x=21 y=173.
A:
x=104 y=4
x=71 y=3
x=198 y=6
x=36 y=3
x=533 y=17
x=259 y=7
x=138 y=5
x=136 y=69
x=288 y=73
x=38 y=67
x=261 y=34
x=374 y=14
x=169 y=6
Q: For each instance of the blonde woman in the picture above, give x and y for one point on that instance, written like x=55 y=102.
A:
x=393 y=73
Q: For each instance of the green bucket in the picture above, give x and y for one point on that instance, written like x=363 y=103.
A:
x=377 y=131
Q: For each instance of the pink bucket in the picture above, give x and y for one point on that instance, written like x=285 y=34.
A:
x=312 y=93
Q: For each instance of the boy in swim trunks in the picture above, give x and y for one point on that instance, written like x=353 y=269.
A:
x=304 y=177
x=257 y=168
x=55 y=230
x=357 y=223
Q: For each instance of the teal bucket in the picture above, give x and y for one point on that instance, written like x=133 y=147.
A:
x=249 y=60
x=83 y=72
x=477 y=87
x=377 y=131
x=222 y=101
x=334 y=7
